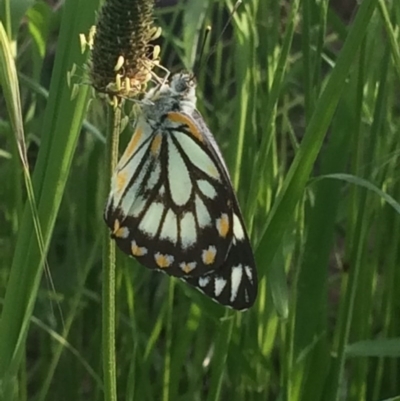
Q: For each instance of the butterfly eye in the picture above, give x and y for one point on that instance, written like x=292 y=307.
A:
x=181 y=83
x=181 y=86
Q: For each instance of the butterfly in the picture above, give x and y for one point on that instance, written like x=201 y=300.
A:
x=171 y=203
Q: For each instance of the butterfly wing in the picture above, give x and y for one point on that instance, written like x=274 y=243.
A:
x=170 y=205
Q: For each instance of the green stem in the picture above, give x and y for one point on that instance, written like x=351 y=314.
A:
x=168 y=345
x=109 y=368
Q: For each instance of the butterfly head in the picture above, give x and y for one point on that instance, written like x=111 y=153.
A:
x=177 y=95
x=183 y=89
x=183 y=84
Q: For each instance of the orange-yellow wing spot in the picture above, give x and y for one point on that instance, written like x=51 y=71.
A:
x=223 y=225
x=132 y=145
x=120 y=232
x=181 y=118
x=137 y=250
x=163 y=261
x=187 y=267
x=209 y=255
x=156 y=144
x=117 y=225
x=121 y=180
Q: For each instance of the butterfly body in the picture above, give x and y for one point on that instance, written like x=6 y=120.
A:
x=172 y=205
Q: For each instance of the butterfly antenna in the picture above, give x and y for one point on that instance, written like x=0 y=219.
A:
x=214 y=48
x=198 y=64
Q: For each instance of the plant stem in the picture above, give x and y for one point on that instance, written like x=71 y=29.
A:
x=109 y=368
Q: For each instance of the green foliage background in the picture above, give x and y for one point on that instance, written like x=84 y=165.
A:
x=305 y=107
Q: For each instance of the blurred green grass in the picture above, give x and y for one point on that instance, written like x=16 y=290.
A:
x=305 y=108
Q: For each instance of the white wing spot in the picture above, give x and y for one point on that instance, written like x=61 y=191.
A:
x=133 y=194
x=178 y=176
x=207 y=189
x=220 y=284
x=154 y=177
x=152 y=218
x=203 y=216
x=236 y=278
x=203 y=281
x=137 y=206
x=248 y=273
x=188 y=231
x=170 y=230
x=238 y=230
x=198 y=157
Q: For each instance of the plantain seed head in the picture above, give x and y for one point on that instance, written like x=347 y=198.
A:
x=122 y=55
